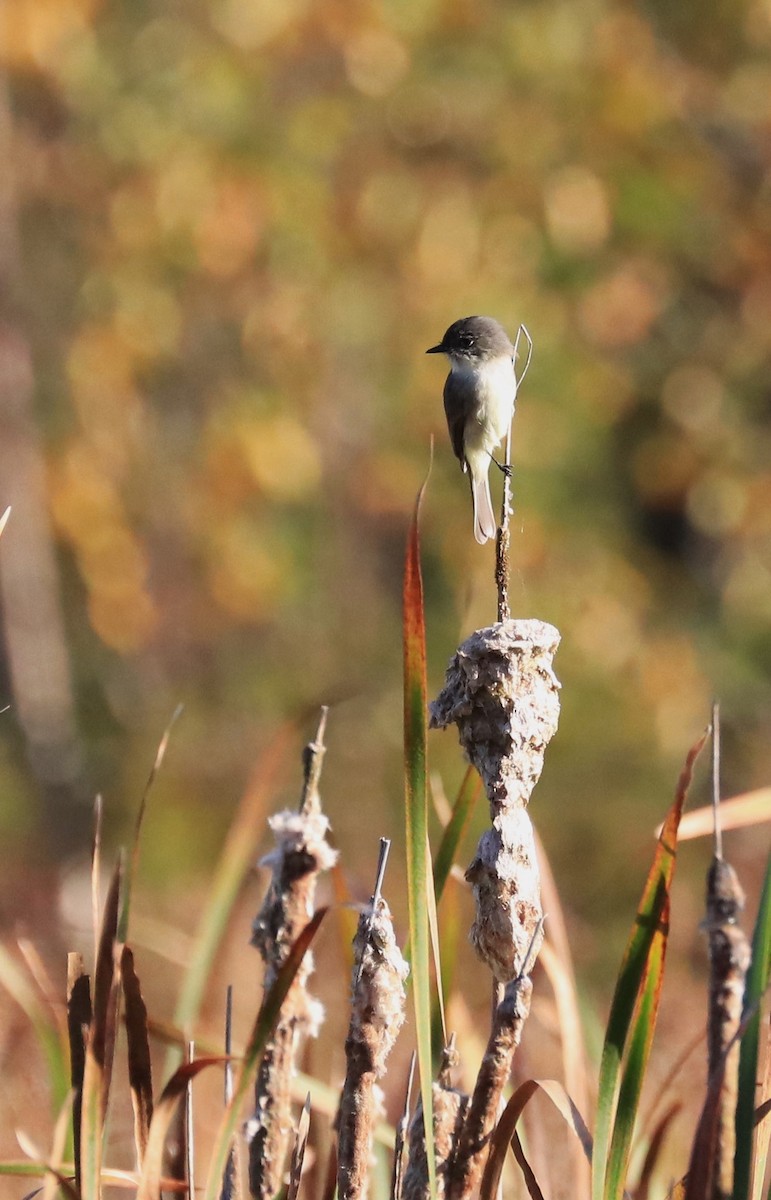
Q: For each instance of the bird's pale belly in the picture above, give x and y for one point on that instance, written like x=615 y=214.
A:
x=495 y=406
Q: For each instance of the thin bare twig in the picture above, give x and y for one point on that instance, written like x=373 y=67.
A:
x=503 y=538
x=718 y=833
x=96 y=870
x=229 y=1189
x=522 y=332
x=190 y=1128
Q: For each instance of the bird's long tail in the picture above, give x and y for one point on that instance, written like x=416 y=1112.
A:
x=485 y=525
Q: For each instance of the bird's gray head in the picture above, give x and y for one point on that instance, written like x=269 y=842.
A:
x=475 y=339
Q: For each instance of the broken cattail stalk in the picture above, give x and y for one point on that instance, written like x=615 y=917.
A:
x=502 y=693
x=377 y=1015
x=450 y=1109
x=302 y=852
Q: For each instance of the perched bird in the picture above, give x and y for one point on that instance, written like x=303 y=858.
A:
x=479 y=396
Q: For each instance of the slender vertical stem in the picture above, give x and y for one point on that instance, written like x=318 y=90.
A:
x=189 y=1127
x=716 y=779
x=503 y=540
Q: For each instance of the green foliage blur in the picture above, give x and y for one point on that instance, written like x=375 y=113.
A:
x=237 y=226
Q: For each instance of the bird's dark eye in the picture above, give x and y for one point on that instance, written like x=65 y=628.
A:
x=466 y=339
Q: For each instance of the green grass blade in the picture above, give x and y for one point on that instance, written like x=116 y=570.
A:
x=633 y=1072
x=133 y=866
x=24 y=1169
x=437 y=1007
x=113 y=1177
x=263 y=1027
x=20 y=987
x=53 y=1187
x=463 y=809
x=757 y=982
x=416 y=814
x=633 y=978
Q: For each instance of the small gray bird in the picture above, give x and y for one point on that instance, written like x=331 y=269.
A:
x=479 y=396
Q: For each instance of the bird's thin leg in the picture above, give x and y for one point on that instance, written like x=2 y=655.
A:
x=506 y=468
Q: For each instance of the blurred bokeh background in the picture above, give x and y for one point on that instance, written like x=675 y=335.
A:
x=228 y=232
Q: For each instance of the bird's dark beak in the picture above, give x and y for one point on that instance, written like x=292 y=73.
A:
x=436 y=349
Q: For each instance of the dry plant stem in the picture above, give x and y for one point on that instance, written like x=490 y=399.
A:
x=503 y=539
x=78 y=1022
x=138 y=1052
x=301 y=852
x=729 y=958
x=377 y=1015
x=190 y=1128
x=231 y=1181
x=450 y=1109
x=298 y=1151
x=505 y=1036
x=502 y=548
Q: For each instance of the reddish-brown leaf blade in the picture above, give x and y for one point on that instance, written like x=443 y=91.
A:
x=416 y=815
x=263 y=1026
x=531 y=1183
x=151 y=1179
x=506 y=1127
x=698 y=1182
